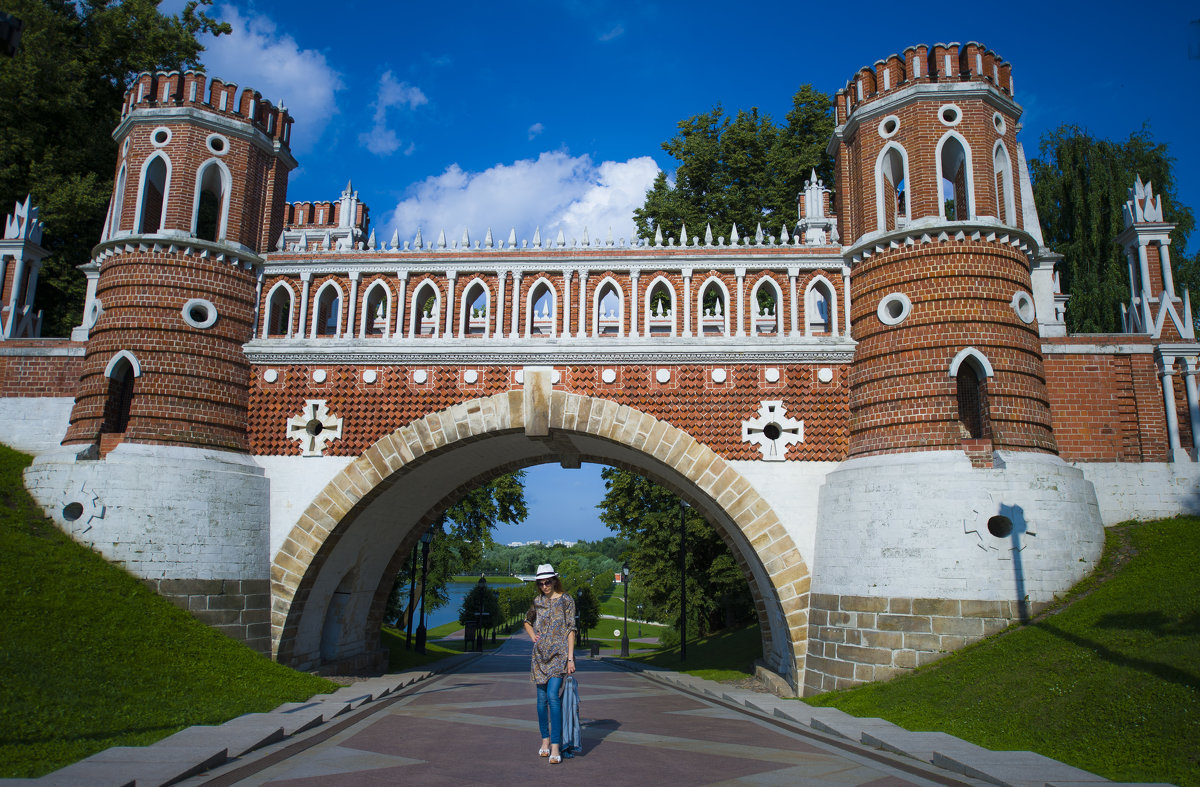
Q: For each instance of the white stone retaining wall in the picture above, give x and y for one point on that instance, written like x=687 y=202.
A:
x=35 y=425
x=1143 y=490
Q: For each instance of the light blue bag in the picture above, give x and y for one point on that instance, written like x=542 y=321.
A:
x=572 y=738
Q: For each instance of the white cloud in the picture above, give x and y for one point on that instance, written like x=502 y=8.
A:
x=555 y=191
x=615 y=32
x=257 y=55
x=535 y=129
x=381 y=140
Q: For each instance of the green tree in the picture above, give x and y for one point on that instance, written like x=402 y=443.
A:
x=1080 y=184
x=744 y=170
x=459 y=542
x=648 y=515
x=61 y=98
x=481 y=599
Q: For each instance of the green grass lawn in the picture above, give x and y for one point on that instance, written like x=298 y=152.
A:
x=727 y=655
x=90 y=658
x=1110 y=683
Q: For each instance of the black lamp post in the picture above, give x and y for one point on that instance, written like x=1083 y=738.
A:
x=426 y=537
x=412 y=598
x=480 y=616
x=625 y=630
x=682 y=582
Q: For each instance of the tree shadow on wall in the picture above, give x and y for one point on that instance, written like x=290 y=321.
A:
x=1010 y=523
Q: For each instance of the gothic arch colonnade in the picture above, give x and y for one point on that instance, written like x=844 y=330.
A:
x=537 y=415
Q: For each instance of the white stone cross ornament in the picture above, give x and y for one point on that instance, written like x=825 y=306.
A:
x=772 y=431
x=314 y=427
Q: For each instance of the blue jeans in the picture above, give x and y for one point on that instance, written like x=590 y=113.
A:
x=550 y=694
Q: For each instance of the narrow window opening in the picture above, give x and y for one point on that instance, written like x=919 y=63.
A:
x=956 y=200
x=153 y=195
x=328 y=309
x=279 y=318
x=120 y=399
x=209 y=206
x=972 y=401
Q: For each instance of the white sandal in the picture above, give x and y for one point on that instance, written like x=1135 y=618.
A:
x=555 y=759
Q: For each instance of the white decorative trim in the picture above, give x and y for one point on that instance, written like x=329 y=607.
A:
x=133 y=361
x=971 y=352
x=320 y=375
x=719 y=375
x=773 y=431
x=893 y=122
x=156 y=133
x=217 y=144
x=887 y=310
x=1022 y=304
x=314 y=427
x=270 y=375
x=944 y=109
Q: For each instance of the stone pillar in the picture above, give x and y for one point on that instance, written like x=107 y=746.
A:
x=451 y=275
x=1166 y=370
x=352 y=306
x=633 y=305
x=514 y=326
x=687 y=302
x=14 y=297
x=846 y=302
x=1164 y=258
x=1193 y=402
x=566 y=312
x=741 y=306
x=583 y=303
x=793 y=311
x=500 y=277
x=401 y=303
x=306 y=280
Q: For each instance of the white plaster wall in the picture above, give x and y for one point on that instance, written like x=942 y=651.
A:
x=35 y=425
x=295 y=481
x=162 y=512
x=793 y=490
x=1150 y=490
x=915 y=526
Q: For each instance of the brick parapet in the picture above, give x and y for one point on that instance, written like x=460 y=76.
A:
x=40 y=367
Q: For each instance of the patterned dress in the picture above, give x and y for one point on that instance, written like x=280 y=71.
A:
x=552 y=620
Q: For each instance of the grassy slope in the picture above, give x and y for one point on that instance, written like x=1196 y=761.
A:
x=1111 y=683
x=90 y=658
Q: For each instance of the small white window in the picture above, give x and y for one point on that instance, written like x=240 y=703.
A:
x=218 y=144
x=160 y=136
x=950 y=114
x=894 y=308
x=1022 y=304
x=889 y=126
x=200 y=313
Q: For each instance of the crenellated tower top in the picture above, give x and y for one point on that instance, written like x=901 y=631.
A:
x=921 y=64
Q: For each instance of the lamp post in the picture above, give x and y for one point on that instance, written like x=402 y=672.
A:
x=426 y=537
x=412 y=598
x=625 y=629
x=639 y=609
x=480 y=616
x=682 y=582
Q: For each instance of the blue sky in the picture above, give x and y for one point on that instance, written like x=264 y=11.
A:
x=551 y=114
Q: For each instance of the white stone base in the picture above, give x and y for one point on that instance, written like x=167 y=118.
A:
x=1150 y=490
x=35 y=425
x=162 y=512
x=915 y=525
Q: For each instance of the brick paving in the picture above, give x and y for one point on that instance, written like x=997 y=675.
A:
x=478 y=726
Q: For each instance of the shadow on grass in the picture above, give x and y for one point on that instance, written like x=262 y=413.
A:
x=1153 y=622
x=1163 y=671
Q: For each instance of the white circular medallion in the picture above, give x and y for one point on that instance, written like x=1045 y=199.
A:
x=370 y=376
x=663 y=375
x=270 y=375
x=420 y=376
x=319 y=375
x=825 y=375
x=199 y=313
x=950 y=114
x=771 y=375
x=893 y=308
x=160 y=136
x=470 y=377
x=719 y=375
x=889 y=126
x=609 y=375
x=1022 y=304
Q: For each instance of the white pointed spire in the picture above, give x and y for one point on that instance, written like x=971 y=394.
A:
x=487 y=239
x=733 y=235
x=418 y=243
x=441 y=242
x=609 y=240
x=658 y=235
x=512 y=238
x=708 y=238
x=561 y=240
x=683 y=235
x=282 y=244
x=466 y=239
x=371 y=241
x=783 y=237
x=586 y=242
x=758 y=235
x=395 y=244
x=327 y=243
x=537 y=237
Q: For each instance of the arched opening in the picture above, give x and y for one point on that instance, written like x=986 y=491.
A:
x=370 y=515
x=608 y=310
x=279 y=311
x=377 y=308
x=971 y=397
x=540 y=310
x=819 y=308
x=153 y=195
x=424 y=316
x=891 y=185
x=118 y=201
x=766 y=298
x=208 y=223
x=327 y=319
x=714 y=308
x=954 y=179
x=660 y=308
x=1005 y=209
x=117 y=406
x=476 y=312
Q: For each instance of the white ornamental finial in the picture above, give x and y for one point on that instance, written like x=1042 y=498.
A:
x=708 y=235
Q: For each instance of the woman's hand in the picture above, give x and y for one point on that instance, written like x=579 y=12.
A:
x=570 y=664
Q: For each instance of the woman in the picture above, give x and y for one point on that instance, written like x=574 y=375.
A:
x=550 y=623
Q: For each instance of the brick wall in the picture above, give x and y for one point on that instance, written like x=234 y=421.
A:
x=40 y=367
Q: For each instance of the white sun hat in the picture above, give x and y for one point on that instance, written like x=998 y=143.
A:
x=545 y=571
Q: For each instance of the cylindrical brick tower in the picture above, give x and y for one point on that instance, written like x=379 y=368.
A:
x=199 y=194
x=154 y=471
x=950 y=417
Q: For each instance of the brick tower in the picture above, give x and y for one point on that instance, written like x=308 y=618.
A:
x=200 y=192
x=948 y=382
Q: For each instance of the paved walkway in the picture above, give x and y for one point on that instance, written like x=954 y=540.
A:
x=478 y=726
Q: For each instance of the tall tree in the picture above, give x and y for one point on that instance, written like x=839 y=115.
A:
x=743 y=170
x=648 y=516
x=1080 y=184
x=60 y=99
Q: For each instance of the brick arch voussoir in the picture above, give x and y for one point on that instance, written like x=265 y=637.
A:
x=335 y=508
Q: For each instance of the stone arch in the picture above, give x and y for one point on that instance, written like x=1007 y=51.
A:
x=524 y=428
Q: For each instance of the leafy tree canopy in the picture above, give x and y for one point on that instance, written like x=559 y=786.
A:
x=648 y=516
x=1080 y=184
x=61 y=98
x=743 y=170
